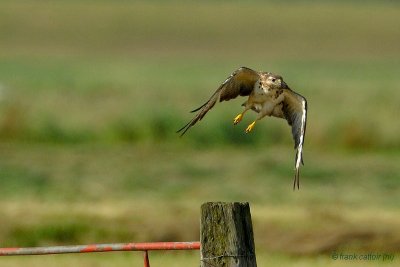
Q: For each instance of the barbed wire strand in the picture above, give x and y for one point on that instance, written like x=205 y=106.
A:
x=223 y=256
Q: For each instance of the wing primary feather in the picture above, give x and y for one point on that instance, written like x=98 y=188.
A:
x=296 y=181
x=183 y=128
x=197 y=109
x=210 y=103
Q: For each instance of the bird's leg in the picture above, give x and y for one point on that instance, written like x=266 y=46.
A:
x=251 y=126
x=261 y=115
x=239 y=117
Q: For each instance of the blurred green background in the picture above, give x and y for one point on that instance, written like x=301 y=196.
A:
x=92 y=92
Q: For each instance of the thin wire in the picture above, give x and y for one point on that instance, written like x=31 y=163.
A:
x=225 y=255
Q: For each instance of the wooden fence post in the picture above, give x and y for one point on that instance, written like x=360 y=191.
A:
x=226 y=235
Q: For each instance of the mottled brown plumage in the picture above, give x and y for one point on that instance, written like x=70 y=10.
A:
x=268 y=95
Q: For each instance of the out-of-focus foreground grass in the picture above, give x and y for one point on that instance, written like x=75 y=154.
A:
x=92 y=92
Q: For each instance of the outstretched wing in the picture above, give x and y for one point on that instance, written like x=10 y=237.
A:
x=295 y=112
x=240 y=82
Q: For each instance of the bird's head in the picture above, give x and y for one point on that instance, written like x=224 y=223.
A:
x=275 y=81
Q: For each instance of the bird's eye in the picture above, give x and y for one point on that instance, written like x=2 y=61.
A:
x=273 y=80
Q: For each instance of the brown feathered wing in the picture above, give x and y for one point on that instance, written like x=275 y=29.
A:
x=239 y=83
x=295 y=112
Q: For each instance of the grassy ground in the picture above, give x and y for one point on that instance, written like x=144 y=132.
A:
x=91 y=93
x=128 y=189
x=179 y=259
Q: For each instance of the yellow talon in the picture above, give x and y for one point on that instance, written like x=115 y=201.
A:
x=250 y=127
x=237 y=119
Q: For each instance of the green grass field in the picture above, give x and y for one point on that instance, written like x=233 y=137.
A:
x=92 y=92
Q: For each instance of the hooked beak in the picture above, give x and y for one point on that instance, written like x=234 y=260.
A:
x=284 y=85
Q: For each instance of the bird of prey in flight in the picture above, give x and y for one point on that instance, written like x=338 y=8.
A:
x=268 y=95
